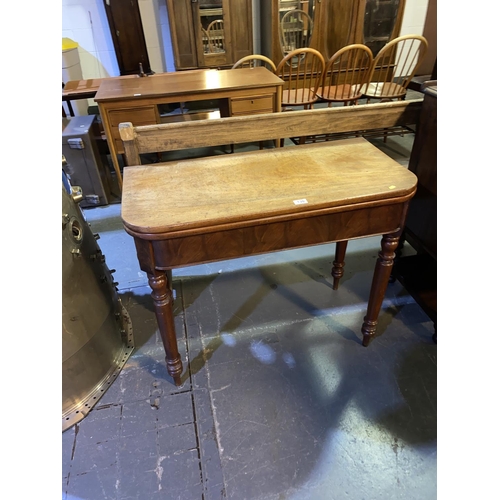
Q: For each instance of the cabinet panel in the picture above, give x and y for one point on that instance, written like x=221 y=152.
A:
x=180 y=17
x=241 y=29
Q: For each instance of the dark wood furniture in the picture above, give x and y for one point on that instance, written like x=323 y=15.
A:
x=208 y=209
x=189 y=21
x=244 y=91
x=418 y=273
x=127 y=33
x=336 y=23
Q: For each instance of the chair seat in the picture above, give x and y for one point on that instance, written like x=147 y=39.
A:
x=298 y=96
x=383 y=89
x=339 y=92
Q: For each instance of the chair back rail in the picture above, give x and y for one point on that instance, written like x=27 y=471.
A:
x=255 y=60
x=270 y=126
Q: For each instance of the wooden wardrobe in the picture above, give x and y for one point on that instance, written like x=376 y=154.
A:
x=189 y=28
x=335 y=23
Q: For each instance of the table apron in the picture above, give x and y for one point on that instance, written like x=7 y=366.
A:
x=274 y=236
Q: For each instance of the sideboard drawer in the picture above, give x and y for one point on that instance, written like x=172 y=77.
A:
x=137 y=116
x=250 y=105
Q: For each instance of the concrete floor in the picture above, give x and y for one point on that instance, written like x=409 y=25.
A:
x=280 y=400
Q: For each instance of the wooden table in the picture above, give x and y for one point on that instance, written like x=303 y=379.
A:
x=87 y=89
x=242 y=91
x=84 y=89
x=221 y=207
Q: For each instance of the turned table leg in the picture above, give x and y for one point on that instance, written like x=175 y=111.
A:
x=380 y=280
x=338 y=263
x=163 y=302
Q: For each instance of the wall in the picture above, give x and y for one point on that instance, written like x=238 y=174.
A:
x=85 y=22
x=414 y=17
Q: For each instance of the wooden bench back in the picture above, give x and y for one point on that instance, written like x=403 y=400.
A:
x=270 y=126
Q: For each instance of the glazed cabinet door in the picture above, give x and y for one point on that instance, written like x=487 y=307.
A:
x=210 y=33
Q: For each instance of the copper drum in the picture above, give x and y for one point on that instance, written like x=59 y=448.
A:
x=96 y=329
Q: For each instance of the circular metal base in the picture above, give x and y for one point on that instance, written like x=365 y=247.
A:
x=78 y=412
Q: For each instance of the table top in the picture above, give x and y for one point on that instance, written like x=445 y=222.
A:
x=78 y=87
x=212 y=191
x=187 y=82
x=75 y=88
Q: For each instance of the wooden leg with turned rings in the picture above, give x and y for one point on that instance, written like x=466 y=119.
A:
x=338 y=263
x=163 y=303
x=380 y=280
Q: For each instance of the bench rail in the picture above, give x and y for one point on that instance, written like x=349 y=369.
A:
x=269 y=126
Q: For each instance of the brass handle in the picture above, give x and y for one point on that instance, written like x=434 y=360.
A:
x=77 y=194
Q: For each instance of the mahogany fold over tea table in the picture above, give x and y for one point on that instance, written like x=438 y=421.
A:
x=189 y=212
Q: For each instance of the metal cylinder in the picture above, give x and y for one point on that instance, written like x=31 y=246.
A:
x=97 y=335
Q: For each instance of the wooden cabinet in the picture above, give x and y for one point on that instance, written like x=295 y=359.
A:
x=418 y=273
x=335 y=23
x=421 y=223
x=210 y=33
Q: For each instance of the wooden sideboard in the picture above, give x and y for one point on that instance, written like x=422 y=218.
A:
x=243 y=91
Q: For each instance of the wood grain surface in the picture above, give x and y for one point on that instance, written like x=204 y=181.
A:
x=186 y=82
x=240 y=129
x=209 y=192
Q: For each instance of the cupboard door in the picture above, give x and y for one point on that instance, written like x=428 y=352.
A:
x=382 y=22
x=241 y=29
x=212 y=30
x=180 y=18
x=125 y=24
